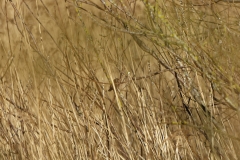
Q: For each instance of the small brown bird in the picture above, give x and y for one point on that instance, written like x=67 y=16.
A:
x=116 y=82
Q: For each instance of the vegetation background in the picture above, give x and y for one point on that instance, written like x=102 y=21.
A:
x=109 y=79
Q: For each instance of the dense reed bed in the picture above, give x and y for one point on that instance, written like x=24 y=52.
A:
x=131 y=79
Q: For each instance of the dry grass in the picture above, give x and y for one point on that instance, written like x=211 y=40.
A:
x=119 y=80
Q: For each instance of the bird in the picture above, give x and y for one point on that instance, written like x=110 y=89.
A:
x=116 y=82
